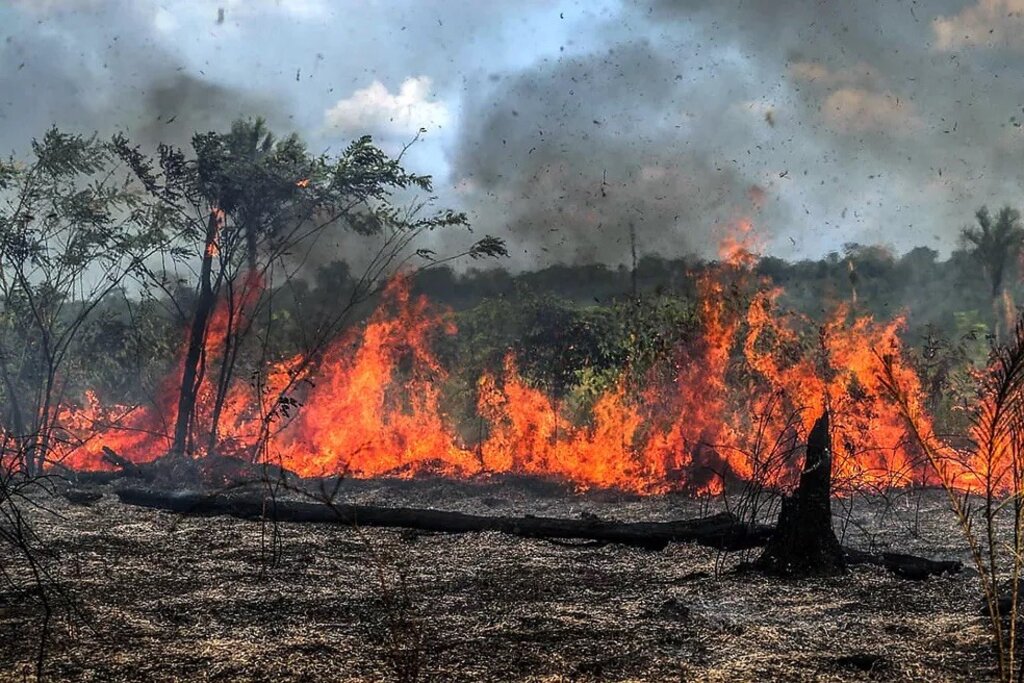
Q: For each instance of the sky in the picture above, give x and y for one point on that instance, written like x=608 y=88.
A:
x=560 y=125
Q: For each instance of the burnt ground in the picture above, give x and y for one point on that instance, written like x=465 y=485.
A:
x=167 y=598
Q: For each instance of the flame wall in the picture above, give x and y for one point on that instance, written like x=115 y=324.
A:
x=738 y=399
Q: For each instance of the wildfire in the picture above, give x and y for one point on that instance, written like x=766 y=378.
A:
x=373 y=405
x=217 y=223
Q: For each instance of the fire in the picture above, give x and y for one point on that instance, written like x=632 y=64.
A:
x=361 y=419
x=732 y=399
x=528 y=435
x=217 y=218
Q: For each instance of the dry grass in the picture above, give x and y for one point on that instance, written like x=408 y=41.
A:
x=191 y=599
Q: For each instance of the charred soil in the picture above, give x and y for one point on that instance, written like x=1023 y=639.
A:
x=168 y=598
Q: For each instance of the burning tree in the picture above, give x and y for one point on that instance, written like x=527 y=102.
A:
x=252 y=208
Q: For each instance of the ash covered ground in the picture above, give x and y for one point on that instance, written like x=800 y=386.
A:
x=167 y=598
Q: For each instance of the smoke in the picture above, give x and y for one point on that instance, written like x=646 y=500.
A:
x=175 y=106
x=846 y=122
x=103 y=66
x=577 y=151
x=904 y=136
x=559 y=126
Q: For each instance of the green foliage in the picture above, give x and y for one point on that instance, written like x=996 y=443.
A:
x=995 y=243
x=573 y=352
x=277 y=196
x=125 y=351
x=70 y=234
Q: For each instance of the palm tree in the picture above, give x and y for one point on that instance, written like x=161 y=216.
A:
x=995 y=244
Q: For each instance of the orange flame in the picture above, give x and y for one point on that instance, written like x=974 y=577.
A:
x=372 y=406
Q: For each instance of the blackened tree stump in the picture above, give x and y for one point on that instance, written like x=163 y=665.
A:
x=804 y=543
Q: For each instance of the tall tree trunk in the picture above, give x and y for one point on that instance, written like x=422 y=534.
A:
x=1005 y=314
x=197 y=338
x=804 y=543
x=17 y=421
x=1002 y=321
x=250 y=248
x=229 y=356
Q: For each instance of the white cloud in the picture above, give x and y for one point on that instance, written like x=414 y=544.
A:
x=991 y=23
x=164 y=21
x=375 y=109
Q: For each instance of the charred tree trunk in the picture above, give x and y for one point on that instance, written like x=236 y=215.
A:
x=723 y=531
x=230 y=355
x=197 y=338
x=804 y=543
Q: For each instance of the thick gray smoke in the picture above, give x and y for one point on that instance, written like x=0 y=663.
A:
x=913 y=106
x=100 y=67
x=577 y=151
x=849 y=122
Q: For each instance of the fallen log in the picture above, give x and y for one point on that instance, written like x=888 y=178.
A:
x=722 y=531
x=127 y=467
x=98 y=477
x=906 y=566
x=218 y=469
